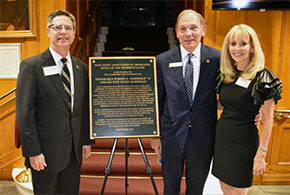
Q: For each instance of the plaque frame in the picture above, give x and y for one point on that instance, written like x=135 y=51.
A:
x=104 y=66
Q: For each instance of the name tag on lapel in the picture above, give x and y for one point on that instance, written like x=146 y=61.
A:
x=50 y=70
x=175 y=64
x=243 y=82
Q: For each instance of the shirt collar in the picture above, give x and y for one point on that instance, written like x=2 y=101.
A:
x=58 y=57
x=196 y=52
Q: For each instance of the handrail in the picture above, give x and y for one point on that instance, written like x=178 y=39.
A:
x=9 y=100
x=8 y=93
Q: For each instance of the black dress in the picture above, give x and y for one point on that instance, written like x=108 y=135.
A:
x=237 y=137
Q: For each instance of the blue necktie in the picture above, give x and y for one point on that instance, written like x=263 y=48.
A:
x=188 y=77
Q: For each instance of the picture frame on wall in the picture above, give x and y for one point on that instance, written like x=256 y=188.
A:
x=17 y=18
x=10 y=58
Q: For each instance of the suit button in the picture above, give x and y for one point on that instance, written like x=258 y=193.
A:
x=69 y=135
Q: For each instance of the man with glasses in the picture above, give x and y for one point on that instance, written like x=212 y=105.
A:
x=52 y=111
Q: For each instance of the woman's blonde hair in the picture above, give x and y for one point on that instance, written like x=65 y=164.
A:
x=257 y=59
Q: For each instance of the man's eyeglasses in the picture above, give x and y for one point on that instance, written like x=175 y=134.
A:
x=58 y=28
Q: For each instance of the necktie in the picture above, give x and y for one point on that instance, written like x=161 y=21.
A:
x=65 y=76
x=188 y=77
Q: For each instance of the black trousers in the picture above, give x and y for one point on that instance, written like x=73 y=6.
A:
x=196 y=169
x=66 y=181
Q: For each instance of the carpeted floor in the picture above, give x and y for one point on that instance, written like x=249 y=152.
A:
x=93 y=169
x=138 y=179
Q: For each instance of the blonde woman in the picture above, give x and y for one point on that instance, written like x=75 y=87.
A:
x=245 y=86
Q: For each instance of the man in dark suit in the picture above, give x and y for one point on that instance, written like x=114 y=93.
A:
x=187 y=106
x=52 y=111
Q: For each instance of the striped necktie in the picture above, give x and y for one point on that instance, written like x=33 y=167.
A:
x=188 y=77
x=65 y=76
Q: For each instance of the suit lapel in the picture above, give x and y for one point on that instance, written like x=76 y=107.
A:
x=55 y=79
x=77 y=79
x=204 y=68
x=176 y=56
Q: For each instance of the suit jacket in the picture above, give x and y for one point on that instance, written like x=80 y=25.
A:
x=176 y=113
x=45 y=122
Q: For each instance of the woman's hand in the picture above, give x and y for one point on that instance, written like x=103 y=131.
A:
x=259 y=163
x=258 y=118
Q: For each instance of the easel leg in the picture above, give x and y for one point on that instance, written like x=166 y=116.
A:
x=126 y=165
x=107 y=170
x=148 y=169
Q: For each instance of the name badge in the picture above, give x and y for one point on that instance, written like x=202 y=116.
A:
x=50 y=70
x=243 y=82
x=175 y=64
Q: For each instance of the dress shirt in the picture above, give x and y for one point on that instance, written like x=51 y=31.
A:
x=59 y=66
x=196 y=65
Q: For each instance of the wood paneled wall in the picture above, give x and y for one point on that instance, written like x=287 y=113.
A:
x=11 y=157
x=273 y=29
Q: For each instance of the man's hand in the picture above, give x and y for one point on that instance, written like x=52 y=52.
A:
x=258 y=118
x=38 y=162
x=86 y=151
x=156 y=145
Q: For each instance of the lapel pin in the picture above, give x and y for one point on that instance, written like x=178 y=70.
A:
x=77 y=66
x=207 y=61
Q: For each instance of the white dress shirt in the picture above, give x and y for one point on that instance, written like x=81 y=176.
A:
x=59 y=65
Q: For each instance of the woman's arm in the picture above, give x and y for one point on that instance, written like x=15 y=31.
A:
x=267 y=114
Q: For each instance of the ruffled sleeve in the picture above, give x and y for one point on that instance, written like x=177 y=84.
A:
x=267 y=86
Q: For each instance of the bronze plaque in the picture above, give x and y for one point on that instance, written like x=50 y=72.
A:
x=123 y=97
